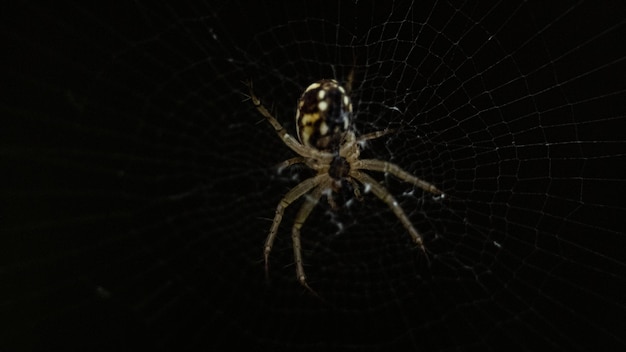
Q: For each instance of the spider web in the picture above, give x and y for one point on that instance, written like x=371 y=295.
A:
x=141 y=182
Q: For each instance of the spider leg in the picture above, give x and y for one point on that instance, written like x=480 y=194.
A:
x=304 y=212
x=288 y=139
x=355 y=186
x=397 y=171
x=295 y=193
x=350 y=79
x=285 y=164
x=383 y=194
x=374 y=135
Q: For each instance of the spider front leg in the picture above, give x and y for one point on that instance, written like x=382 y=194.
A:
x=295 y=193
x=383 y=194
x=288 y=139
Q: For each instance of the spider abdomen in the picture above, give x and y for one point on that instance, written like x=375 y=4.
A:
x=323 y=115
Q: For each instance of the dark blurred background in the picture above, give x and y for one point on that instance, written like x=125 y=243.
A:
x=139 y=182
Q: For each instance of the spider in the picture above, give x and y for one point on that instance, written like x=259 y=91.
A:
x=327 y=144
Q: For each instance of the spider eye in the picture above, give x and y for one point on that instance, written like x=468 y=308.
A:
x=323 y=115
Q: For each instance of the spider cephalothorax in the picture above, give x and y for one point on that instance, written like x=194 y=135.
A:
x=327 y=144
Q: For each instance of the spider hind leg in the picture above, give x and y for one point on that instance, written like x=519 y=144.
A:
x=305 y=210
x=383 y=194
x=291 y=196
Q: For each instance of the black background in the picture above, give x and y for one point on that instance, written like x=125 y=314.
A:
x=138 y=184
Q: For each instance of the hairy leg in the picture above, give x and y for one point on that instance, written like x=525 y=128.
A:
x=397 y=171
x=383 y=194
x=309 y=203
x=295 y=193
